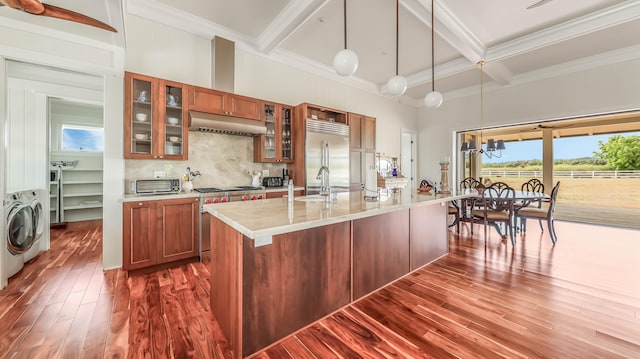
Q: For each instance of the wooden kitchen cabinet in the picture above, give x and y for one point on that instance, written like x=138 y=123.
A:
x=302 y=112
x=223 y=103
x=276 y=145
x=156 y=232
x=362 y=143
x=155 y=120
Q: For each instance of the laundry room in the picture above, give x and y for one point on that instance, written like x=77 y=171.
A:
x=53 y=156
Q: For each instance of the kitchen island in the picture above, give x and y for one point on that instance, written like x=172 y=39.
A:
x=277 y=266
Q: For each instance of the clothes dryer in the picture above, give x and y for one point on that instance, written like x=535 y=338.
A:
x=19 y=231
x=33 y=199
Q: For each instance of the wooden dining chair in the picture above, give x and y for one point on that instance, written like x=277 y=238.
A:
x=454 y=210
x=532 y=185
x=545 y=213
x=467 y=204
x=497 y=208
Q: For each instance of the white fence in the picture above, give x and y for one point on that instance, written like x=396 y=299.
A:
x=564 y=174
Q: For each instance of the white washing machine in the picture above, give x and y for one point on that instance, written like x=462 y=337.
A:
x=20 y=230
x=34 y=199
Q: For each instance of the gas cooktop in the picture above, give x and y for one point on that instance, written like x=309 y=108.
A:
x=230 y=189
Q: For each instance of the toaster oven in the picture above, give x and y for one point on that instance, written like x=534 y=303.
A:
x=156 y=186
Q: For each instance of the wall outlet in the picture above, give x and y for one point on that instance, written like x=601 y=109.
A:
x=265 y=173
x=159 y=174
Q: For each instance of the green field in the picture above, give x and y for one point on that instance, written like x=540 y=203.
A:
x=608 y=192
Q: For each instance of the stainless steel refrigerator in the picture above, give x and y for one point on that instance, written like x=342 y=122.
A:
x=327 y=143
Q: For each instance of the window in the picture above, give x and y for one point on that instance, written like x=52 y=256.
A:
x=82 y=138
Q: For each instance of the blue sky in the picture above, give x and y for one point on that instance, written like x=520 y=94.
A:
x=84 y=139
x=564 y=148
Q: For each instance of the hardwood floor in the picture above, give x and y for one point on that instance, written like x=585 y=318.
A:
x=580 y=298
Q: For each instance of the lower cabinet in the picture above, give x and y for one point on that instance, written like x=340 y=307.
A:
x=156 y=232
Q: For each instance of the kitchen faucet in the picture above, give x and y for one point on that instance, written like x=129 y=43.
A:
x=323 y=176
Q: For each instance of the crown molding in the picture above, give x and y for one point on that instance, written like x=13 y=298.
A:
x=603 y=19
x=184 y=21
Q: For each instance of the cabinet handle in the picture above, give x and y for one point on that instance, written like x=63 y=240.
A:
x=160 y=157
x=140 y=204
x=196 y=200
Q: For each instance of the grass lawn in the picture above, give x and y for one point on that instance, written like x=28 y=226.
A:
x=621 y=193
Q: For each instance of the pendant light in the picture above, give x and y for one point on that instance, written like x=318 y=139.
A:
x=492 y=145
x=434 y=98
x=346 y=61
x=397 y=85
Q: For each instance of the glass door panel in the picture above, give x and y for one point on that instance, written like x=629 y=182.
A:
x=142 y=118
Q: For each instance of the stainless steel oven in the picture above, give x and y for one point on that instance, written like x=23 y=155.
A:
x=223 y=195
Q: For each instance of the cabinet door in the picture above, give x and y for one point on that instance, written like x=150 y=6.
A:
x=178 y=220
x=355 y=125
x=268 y=144
x=242 y=106
x=276 y=144
x=141 y=112
x=207 y=100
x=173 y=128
x=369 y=133
x=139 y=235
x=286 y=116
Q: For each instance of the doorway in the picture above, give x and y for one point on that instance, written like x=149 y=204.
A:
x=408 y=161
x=42 y=102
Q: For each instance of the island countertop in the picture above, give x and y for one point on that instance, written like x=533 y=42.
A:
x=260 y=220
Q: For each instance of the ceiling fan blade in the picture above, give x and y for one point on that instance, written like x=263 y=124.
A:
x=60 y=13
x=30 y=6
x=539 y=3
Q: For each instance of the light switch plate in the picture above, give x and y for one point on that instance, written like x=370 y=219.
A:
x=159 y=174
x=265 y=173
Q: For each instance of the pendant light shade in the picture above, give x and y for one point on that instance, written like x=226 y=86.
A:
x=397 y=85
x=346 y=61
x=434 y=98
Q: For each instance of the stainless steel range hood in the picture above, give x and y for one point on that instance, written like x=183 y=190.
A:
x=209 y=122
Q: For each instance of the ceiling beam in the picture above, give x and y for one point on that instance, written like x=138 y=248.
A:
x=612 y=16
x=294 y=15
x=458 y=36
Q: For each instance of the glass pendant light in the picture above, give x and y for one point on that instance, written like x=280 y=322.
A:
x=346 y=61
x=397 y=85
x=434 y=98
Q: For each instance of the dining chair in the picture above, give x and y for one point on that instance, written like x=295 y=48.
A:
x=497 y=208
x=454 y=210
x=468 y=204
x=532 y=185
x=546 y=212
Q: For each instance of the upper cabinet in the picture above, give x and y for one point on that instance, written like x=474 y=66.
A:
x=223 y=103
x=155 y=120
x=362 y=143
x=276 y=144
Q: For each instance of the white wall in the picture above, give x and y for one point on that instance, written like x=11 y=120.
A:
x=599 y=90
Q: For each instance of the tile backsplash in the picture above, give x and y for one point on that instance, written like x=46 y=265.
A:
x=223 y=161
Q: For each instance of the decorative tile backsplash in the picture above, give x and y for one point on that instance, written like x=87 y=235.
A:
x=223 y=161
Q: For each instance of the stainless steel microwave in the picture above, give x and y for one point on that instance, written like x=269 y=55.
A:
x=156 y=186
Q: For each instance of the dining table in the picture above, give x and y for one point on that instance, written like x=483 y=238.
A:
x=520 y=199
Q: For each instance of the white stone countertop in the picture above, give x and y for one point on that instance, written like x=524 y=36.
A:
x=260 y=220
x=158 y=197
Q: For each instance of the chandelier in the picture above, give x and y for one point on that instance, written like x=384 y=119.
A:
x=494 y=147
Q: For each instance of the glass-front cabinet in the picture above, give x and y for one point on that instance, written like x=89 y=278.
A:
x=275 y=145
x=155 y=118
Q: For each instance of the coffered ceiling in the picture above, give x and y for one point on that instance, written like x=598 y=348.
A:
x=518 y=44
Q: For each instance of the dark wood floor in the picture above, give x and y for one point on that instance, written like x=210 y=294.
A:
x=580 y=298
